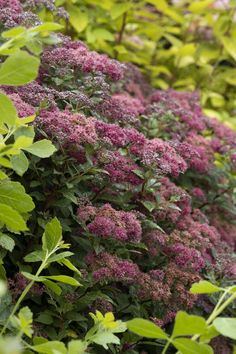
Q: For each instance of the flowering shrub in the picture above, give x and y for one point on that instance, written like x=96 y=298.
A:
x=143 y=185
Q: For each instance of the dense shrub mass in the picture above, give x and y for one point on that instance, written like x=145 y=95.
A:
x=142 y=182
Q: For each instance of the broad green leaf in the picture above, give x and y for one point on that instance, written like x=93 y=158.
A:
x=3 y=288
x=43 y=148
x=229 y=45
x=13 y=32
x=64 y=279
x=104 y=338
x=52 y=286
x=25 y=318
x=78 y=19
x=20 y=163
x=13 y=194
x=19 y=69
x=103 y=34
x=146 y=328
x=204 y=287
x=50 y=348
x=69 y=265
x=5 y=162
x=187 y=325
x=23 y=142
x=6 y=242
x=119 y=9
x=187 y=346
x=211 y=333
x=226 y=326
x=77 y=347
x=52 y=235
x=45 y=318
x=3 y=175
x=47 y=26
x=12 y=219
x=8 y=113
x=199 y=6
x=36 y=256
x=150 y=206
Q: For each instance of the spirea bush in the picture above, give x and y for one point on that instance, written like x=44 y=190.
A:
x=142 y=183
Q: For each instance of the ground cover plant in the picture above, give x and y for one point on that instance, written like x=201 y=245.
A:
x=181 y=44
x=139 y=180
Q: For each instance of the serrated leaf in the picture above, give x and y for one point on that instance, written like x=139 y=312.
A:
x=36 y=256
x=187 y=325
x=20 y=163
x=13 y=194
x=43 y=148
x=52 y=235
x=19 y=69
x=146 y=328
x=204 y=287
x=64 y=279
x=6 y=242
x=8 y=113
x=104 y=338
x=12 y=219
x=226 y=326
x=25 y=320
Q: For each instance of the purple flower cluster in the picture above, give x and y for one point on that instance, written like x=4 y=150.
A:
x=108 y=222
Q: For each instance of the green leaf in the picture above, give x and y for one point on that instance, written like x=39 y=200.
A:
x=20 y=163
x=52 y=235
x=45 y=318
x=78 y=19
x=23 y=142
x=60 y=256
x=43 y=148
x=229 y=46
x=32 y=277
x=105 y=337
x=25 y=320
x=204 y=287
x=47 y=26
x=53 y=347
x=64 y=279
x=150 y=206
x=8 y=113
x=69 y=265
x=187 y=346
x=146 y=328
x=12 y=219
x=36 y=256
x=13 y=194
x=226 y=326
x=199 y=6
x=6 y=242
x=52 y=286
x=19 y=69
x=13 y=32
x=187 y=325
x=77 y=347
x=119 y=9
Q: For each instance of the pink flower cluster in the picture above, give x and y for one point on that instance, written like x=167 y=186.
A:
x=108 y=222
x=78 y=57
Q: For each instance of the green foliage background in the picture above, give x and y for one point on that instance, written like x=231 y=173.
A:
x=185 y=45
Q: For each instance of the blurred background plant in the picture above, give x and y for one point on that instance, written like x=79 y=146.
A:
x=178 y=44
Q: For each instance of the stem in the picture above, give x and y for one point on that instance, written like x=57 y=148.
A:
x=217 y=311
x=121 y=32
x=166 y=347
x=23 y=295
